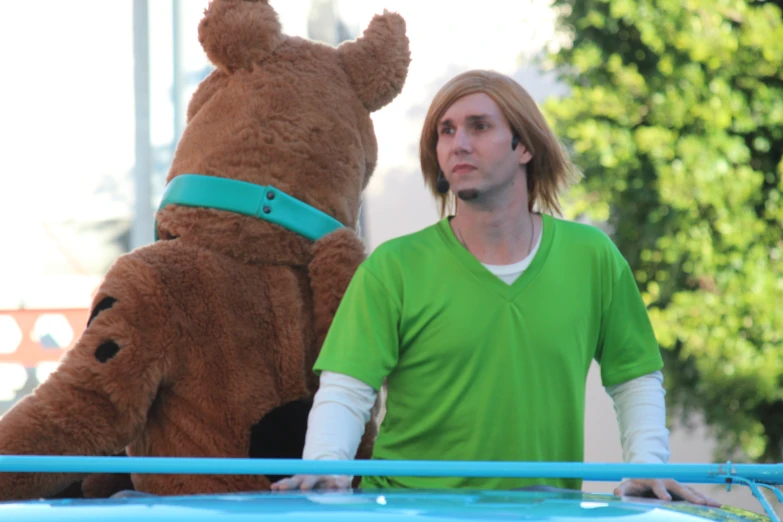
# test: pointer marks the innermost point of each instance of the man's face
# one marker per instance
(474, 147)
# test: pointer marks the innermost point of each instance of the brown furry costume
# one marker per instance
(202, 343)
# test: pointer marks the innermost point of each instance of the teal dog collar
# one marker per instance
(249, 199)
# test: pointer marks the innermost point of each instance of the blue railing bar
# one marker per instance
(754, 488)
(775, 490)
(694, 473)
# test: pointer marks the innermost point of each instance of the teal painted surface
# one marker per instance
(368, 506)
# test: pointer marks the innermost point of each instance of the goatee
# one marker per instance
(468, 194)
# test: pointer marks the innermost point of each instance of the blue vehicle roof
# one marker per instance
(386, 506)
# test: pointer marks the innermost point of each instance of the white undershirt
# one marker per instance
(342, 406)
(510, 273)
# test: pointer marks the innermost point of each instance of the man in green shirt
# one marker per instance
(484, 325)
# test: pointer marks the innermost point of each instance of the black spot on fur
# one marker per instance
(281, 433)
(105, 304)
(106, 351)
(74, 490)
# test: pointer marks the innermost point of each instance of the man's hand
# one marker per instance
(309, 482)
(664, 489)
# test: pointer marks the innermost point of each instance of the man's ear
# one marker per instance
(377, 62)
(523, 154)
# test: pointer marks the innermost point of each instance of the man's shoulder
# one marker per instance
(587, 242)
(583, 230)
(407, 247)
(583, 234)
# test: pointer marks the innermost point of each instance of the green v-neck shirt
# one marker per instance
(481, 370)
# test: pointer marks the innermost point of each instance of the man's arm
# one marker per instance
(641, 415)
(341, 409)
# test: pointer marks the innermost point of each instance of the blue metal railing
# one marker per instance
(695, 473)
(753, 476)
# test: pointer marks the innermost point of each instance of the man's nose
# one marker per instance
(461, 141)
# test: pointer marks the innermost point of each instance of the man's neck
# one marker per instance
(499, 236)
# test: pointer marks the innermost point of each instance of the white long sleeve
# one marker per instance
(641, 415)
(341, 408)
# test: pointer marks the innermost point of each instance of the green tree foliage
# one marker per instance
(675, 116)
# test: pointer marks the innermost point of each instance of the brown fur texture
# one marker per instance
(202, 344)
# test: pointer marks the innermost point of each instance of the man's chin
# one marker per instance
(467, 194)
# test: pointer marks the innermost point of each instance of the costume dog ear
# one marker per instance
(236, 34)
(377, 62)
